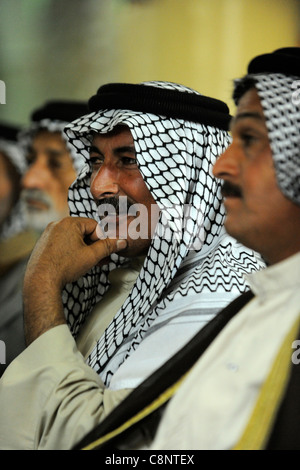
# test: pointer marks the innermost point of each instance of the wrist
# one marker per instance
(43, 307)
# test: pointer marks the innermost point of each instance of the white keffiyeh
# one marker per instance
(51, 125)
(276, 77)
(282, 113)
(175, 157)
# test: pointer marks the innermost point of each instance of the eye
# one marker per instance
(128, 161)
(96, 161)
(248, 139)
(30, 159)
(55, 163)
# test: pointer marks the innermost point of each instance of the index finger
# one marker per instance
(102, 249)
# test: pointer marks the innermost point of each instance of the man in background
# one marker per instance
(38, 168)
(16, 243)
(53, 164)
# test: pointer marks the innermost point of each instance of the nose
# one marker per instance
(105, 183)
(226, 164)
(37, 176)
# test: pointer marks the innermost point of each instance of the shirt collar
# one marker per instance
(276, 278)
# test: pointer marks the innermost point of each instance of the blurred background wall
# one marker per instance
(53, 49)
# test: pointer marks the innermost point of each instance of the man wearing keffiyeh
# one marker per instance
(52, 163)
(16, 243)
(243, 391)
(130, 306)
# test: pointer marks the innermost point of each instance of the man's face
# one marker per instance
(116, 179)
(6, 190)
(46, 182)
(258, 214)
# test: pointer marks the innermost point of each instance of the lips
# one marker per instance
(36, 199)
(115, 226)
(34, 204)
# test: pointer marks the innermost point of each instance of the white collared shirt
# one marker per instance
(213, 405)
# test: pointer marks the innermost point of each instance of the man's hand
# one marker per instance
(65, 251)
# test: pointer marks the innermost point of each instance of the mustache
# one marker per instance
(113, 205)
(36, 195)
(230, 190)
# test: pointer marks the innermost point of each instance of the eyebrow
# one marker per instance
(116, 151)
(55, 152)
(252, 115)
(49, 150)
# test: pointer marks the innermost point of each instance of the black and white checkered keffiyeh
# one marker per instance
(281, 106)
(277, 80)
(175, 157)
(53, 116)
(26, 136)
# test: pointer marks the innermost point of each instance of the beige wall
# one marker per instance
(202, 43)
(67, 49)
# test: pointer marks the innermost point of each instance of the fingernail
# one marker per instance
(121, 244)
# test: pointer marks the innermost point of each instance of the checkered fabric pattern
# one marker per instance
(175, 158)
(281, 105)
